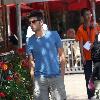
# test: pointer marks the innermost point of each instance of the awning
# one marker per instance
(23, 1)
(68, 4)
(59, 5)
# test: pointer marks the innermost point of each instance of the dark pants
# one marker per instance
(88, 72)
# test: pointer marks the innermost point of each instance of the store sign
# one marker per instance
(23, 1)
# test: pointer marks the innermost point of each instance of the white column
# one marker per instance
(18, 20)
(8, 21)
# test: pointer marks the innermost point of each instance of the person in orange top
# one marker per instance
(86, 36)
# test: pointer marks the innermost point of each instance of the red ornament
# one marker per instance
(21, 50)
(2, 94)
(8, 78)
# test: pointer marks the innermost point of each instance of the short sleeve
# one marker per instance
(29, 46)
(58, 40)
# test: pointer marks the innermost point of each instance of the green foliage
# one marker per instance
(15, 81)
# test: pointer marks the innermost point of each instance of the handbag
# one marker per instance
(91, 85)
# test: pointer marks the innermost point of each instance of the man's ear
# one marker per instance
(41, 22)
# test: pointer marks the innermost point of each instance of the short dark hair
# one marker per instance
(84, 10)
(36, 13)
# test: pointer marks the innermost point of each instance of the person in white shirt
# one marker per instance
(30, 32)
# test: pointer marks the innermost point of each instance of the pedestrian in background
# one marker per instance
(95, 53)
(86, 36)
(43, 49)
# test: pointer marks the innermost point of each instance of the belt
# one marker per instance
(49, 76)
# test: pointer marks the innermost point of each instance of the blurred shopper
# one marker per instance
(96, 61)
(43, 49)
(13, 42)
(59, 30)
(74, 47)
(96, 79)
(86, 36)
(71, 33)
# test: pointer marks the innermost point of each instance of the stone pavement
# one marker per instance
(75, 87)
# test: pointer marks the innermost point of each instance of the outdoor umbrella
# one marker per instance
(70, 5)
(18, 14)
(60, 5)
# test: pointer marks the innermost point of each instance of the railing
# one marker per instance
(73, 56)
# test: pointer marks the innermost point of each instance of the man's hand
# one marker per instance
(31, 65)
(32, 73)
(83, 60)
(62, 61)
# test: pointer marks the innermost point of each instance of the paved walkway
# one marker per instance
(75, 87)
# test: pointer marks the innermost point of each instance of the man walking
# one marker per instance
(43, 48)
(86, 36)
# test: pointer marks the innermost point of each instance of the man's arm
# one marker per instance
(62, 60)
(31, 66)
(81, 50)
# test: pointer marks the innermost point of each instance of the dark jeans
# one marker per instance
(88, 72)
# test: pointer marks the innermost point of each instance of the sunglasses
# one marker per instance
(33, 22)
